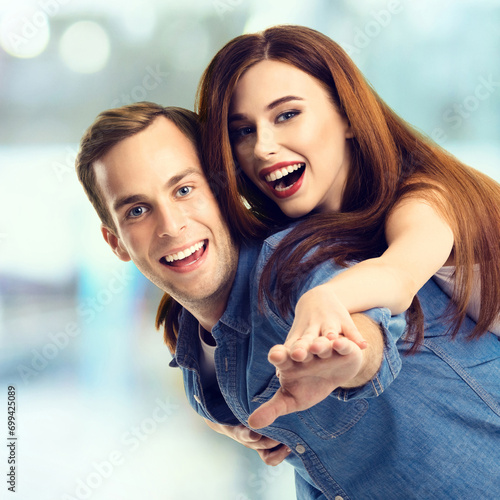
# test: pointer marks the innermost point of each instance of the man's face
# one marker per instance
(168, 222)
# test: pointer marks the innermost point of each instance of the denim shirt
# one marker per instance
(427, 426)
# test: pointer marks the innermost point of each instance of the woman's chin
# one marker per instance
(294, 211)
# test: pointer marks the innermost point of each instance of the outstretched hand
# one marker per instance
(319, 313)
(305, 383)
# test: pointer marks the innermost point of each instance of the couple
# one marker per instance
(353, 416)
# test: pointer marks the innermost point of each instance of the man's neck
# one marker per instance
(207, 313)
(208, 319)
(209, 310)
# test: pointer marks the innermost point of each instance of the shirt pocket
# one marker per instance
(268, 392)
(475, 363)
(331, 418)
(328, 419)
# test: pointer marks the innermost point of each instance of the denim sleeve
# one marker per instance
(393, 327)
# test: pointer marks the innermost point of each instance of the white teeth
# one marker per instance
(278, 174)
(281, 187)
(184, 253)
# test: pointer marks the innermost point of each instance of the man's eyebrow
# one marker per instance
(135, 198)
(269, 107)
(126, 200)
(178, 178)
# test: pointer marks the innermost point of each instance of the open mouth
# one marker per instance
(285, 178)
(186, 257)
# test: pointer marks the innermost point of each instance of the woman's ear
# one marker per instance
(349, 134)
(115, 243)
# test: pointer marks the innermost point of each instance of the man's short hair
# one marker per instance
(115, 125)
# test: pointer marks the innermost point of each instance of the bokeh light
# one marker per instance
(85, 47)
(24, 32)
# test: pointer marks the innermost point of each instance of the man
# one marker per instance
(420, 438)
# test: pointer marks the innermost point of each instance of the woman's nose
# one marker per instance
(265, 143)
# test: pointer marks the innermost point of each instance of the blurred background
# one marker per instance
(100, 414)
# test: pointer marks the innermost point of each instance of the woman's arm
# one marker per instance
(419, 241)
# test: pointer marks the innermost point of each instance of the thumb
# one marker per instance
(267, 413)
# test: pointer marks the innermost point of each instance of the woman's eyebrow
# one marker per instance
(240, 116)
(283, 100)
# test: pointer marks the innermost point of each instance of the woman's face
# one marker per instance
(289, 138)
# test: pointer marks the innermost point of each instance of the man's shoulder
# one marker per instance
(322, 271)
(271, 242)
(318, 275)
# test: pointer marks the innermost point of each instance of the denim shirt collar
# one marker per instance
(237, 313)
(236, 316)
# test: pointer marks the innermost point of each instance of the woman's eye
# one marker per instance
(240, 133)
(137, 212)
(184, 190)
(286, 116)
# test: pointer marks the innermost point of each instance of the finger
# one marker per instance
(267, 413)
(299, 350)
(280, 357)
(332, 336)
(274, 456)
(295, 333)
(263, 444)
(322, 347)
(301, 353)
(278, 354)
(350, 331)
(256, 440)
(247, 435)
(344, 346)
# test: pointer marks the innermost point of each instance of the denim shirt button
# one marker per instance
(338, 497)
(197, 399)
(300, 449)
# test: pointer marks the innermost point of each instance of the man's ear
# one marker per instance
(115, 243)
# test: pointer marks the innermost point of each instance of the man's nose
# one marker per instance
(172, 221)
(265, 143)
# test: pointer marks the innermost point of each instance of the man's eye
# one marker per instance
(286, 116)
(137, 212)
(184, 190)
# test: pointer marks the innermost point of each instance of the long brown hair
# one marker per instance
(389, 160)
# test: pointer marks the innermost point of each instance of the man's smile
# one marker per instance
(187, 256)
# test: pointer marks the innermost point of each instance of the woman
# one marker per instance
(308, 135)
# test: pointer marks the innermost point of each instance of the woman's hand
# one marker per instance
(319, 313)
(336, 363)
(306, 383)
(270, 451)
